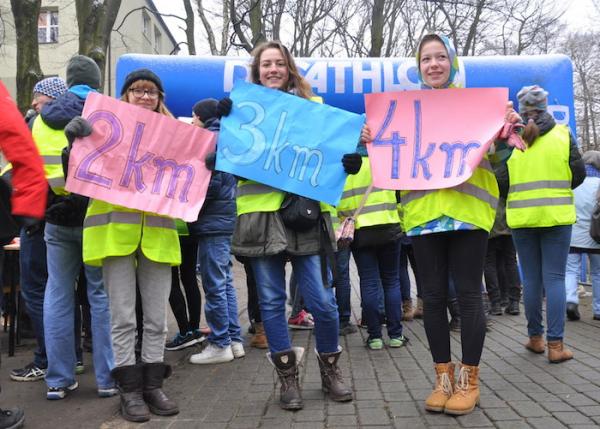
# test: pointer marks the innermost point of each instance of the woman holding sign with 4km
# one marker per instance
(267, 243)
(130, 244)
(449, 231)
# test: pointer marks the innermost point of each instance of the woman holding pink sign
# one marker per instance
(449, 231)
(134, 245)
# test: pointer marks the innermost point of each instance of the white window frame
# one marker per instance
(48, 26)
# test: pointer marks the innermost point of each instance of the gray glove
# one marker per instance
(77, 127)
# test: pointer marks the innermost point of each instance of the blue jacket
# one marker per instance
(218, 213)
(585, 200)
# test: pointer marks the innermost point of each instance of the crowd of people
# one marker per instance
(130, 263)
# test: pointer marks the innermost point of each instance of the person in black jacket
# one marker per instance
(214, 229)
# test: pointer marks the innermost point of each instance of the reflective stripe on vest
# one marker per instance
(254, 197)
(540, 192)
(473, 201)
(50, 144)
(380, 207)
(110, 230)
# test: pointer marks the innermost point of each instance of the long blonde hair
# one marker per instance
(160, 108)
(295, 82)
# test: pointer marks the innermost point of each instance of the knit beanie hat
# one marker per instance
(51, 87)
(82, 70)
(141, 74)
(205, 109)
(532, 97)
(592, 157)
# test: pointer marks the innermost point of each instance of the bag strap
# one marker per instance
(363, 201)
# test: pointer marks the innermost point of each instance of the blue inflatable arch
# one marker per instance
(342, 82)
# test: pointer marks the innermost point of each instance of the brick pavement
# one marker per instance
(519, 389)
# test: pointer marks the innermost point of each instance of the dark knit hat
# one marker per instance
(532, 97)
(82, 70)
(205, 109)
(141, 74)
(51, 87)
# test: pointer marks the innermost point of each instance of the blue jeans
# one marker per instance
(64, 265)
(543, 255)
(572, 277)
(378, 268)
(269, 272)
(341, 283)
(220, 307)
(34, 275)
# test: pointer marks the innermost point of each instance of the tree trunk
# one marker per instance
(29, 72)
(377, 22)
(189, 27)
(95, 21)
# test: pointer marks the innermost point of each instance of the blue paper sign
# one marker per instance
(287, 142)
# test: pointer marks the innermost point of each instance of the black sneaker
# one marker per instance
(30, 372)
(12, 418)
(56, 393)
(182, 341)
(513, 308)
(573, 311)
(496, 309)
(347, 328)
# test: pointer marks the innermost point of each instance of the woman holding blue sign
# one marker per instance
(449, 231)
(262, 238)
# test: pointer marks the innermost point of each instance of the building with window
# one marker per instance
(137, 30)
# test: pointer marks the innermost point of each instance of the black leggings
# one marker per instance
(460, 254)
(187, 272)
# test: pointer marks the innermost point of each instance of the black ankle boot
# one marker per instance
(130, 381)
(455, 314)
(286, 365)
(331, 377)
(155, 397)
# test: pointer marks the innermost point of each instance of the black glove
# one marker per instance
(352, 162)
(30, 224)
(224, 107)
(77, 127)
(210, 160)
(64, 156)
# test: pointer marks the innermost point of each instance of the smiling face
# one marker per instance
(434, 64)
(273, 69)
(144, 93)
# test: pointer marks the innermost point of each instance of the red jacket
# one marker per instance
(28, 179)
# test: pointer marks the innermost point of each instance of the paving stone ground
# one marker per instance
(518, 389)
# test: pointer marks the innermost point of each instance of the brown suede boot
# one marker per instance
(259, 339)
(286, 364)
(418, 312)
(466, 391)
(444, 387)
(331, 377)
(407, 310)
(536, 344)
(557, 352)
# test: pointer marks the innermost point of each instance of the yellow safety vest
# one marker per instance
(540, 192)
(473, 201)
(111, 230)
(50, 144)
(380, 207)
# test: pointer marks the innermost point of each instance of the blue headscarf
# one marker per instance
(453, 81)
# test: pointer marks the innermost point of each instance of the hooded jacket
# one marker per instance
(68, 210)
(217, 216)
(585, 201)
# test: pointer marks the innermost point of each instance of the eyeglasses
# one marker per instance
(139, 93)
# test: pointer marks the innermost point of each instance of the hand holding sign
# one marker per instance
(431, 139)
(132, 152)
(287, 142)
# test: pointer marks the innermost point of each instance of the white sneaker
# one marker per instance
(238, 349)
(212, 354)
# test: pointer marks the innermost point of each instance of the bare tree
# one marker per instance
(208, 19)
(25, 14)
(189, 26)
(95, 21)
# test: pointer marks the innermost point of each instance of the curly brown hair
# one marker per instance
(295, 82)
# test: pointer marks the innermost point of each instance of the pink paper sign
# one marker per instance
(141, 160)
(431, 139)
